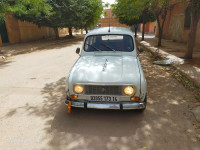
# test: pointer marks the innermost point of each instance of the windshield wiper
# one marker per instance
(93, 47)
(108, 47)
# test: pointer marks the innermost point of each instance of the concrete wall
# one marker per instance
(19, 31)
(174, 25)
(13, 30)
(30, 32)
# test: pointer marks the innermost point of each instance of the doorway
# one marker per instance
(3, 32)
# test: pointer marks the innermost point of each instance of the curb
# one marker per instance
(178, 63)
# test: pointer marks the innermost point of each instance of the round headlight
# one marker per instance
(129, 90)
(78, 89)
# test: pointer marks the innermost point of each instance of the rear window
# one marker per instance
(109, 43)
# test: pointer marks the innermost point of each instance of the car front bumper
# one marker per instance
(122, 105)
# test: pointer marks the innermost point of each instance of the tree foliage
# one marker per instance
(65, 13)
(92, 13)
(160, 9)
(24, 7)
(2, 7)
(133, 12)
(55, 13)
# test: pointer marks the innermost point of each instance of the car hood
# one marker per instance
(106, 69)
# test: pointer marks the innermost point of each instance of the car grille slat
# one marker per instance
(103, 90)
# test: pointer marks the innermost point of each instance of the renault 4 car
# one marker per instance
(108, 73)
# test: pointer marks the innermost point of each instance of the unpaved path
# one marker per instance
(33, 114)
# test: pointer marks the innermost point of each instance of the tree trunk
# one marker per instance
(159, 37)
(86, 30)
(56, 32)
(192, 35)
(161, 17)
(143, 30)
(135, 28)
(160, 27)
(70, 31)
(159, 32)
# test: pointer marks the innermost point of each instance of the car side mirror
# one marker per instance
(140, 49)
(78, 50)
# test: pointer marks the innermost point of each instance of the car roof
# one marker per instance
(113, 30)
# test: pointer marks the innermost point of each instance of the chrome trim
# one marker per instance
(140, 105)
(125, 106)
(103, 106)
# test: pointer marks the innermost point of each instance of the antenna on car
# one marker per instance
(109, 16)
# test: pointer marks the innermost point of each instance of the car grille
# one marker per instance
(103, 90)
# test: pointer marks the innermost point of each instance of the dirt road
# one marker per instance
(33, 114)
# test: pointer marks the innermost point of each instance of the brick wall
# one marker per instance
(105, 22)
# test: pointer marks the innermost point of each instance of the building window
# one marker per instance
(187, 17)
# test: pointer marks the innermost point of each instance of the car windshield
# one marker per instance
(109, 43)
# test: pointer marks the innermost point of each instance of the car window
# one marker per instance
(109, 43)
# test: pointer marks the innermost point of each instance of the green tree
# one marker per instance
(91, 14)
(122, 11)
(3, 5)
(24, 7)
(195, 17)
(146, 16)
(30, 8)
(159, 8)
(133, 12)
(67, 13)
(122, 17)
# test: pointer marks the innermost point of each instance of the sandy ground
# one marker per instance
(33, 114)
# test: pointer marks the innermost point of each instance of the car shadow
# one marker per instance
(97, 122)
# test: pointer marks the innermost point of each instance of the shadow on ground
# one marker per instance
(39, 46)
(85, 121)
(4, 64)
(163, 125)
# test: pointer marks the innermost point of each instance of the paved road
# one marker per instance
(33, 114)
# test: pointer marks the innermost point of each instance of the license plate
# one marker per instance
(104, 98)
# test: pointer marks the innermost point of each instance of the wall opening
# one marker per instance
(3, 32)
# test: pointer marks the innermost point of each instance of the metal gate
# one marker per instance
(3, 32)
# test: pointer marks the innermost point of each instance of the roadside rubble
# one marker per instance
(2, 57)
(164, 62)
